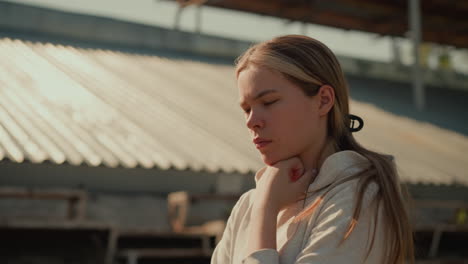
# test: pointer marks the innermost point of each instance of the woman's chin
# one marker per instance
(269, 160)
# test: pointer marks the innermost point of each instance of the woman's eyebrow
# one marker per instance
(260, 94)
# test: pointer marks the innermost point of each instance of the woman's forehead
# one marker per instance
(255, 84)
(255, 78)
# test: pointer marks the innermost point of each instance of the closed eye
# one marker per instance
(247, 110)
(270, 102)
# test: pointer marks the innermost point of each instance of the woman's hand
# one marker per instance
(281, 184)
(278, 185)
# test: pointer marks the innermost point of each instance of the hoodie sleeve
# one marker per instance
(223, 250)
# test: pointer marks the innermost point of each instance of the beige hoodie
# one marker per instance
(315, 239)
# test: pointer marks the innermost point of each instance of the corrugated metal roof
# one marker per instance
(66, 104)
(102, 107)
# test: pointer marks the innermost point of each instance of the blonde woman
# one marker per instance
(321, 197)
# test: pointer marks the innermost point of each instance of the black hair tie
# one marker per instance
(353, 119)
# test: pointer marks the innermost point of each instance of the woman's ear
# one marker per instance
(326, 97)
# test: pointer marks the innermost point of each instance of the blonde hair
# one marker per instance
(310, 64)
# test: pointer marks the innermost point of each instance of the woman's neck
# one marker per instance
(315, 159)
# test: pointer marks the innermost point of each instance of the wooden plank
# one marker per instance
(164, 253)
(179, 204)
(53, 194)
(144, 232)
(111, 248)
(442, 261)
(452, 204)
(77, 207)
(434, 249)
(77, 199)
(443, 227)
(214, 197)
(51, 224)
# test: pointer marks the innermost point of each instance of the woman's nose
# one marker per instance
(255, 121)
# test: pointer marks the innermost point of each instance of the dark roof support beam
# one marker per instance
(414, 9)
(177, 17)
(198, 19)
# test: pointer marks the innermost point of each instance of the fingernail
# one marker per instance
(295, 175)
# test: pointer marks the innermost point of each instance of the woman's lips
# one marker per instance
(260, 143)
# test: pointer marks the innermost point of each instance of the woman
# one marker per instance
(322, 197)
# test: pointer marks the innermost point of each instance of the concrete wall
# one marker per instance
(123, 211)
(126, 198)
(136, 180)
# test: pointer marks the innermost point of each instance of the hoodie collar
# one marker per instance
(338, 166)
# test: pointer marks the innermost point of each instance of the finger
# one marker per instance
(296, 169)
(306, 177)
(297, 174)
(297, 163)
(259, 173)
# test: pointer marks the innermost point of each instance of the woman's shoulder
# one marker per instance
(246, 198)
(244, 202)
(349, 191)
(341, 173)
(341, 194)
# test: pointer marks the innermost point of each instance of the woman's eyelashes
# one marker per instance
(266, 104)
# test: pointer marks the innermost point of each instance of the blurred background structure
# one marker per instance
(121, 140)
